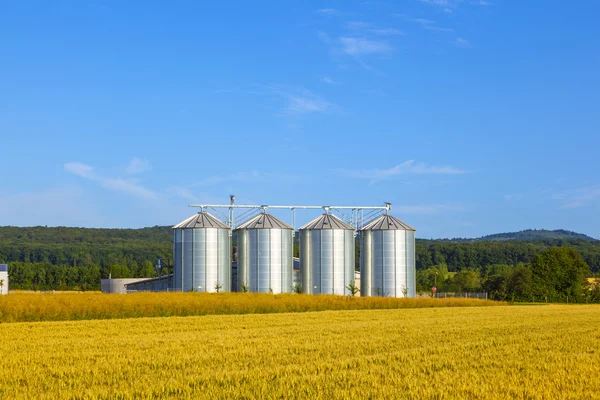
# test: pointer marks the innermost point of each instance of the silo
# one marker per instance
(202, 255)
(387, 258)
(265, 250)
(327, 256)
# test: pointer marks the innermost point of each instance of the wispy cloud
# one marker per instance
(579, 197)
(462, 42)
(360, 46)
(441, 3)
(329, 11)
(197, 191)
(513, 196)
(357, 25)
(328, 80)
(427, 24)
(79, 169)
(362, 40)
(137, 166)
(304, 105)
(406, 168)
(447, 4)
(299, 100)
(126, 186)
(386, 32)
(421, 21)
(438, 28)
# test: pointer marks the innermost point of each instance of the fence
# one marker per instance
(464, 295)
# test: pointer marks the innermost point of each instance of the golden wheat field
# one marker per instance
(25, 307)
(528, 352)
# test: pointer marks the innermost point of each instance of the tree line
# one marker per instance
(558, 274)
(42, 258)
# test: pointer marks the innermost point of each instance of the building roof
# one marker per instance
(327, 221)
(201, 220)
(387, 222)
(264, 221)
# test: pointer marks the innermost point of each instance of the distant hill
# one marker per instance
(530, 234)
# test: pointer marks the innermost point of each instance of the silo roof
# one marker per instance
(387, 222)
(327, 221)
(264, 221)
(201, 220)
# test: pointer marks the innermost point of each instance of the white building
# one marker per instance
(3, 279)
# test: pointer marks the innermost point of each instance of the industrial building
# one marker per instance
(3, 279)
(204, 258)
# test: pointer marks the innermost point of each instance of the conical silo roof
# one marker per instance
(201, 220)
(264, 221)
(327, 221)
(387, 222)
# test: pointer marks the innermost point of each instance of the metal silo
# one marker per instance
(327, 256)
(387, 258)
(265, 250)
(202, 254)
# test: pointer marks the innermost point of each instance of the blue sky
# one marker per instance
(471, 117)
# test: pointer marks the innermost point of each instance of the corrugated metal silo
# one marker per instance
(202, 254)
(327, 256)
(387, 258)
(265, 250)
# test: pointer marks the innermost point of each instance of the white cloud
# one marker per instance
(357, 25)
(386, 32)
(462, 42)
(365, 27)
(303, 105)
(577, 198)
(406, 168)
(438, 28)
(329, 11)
(427, 23)
(300, 101)
(117, 184)
(360, 46)
(513, 196)
(184, 193)
(422, 21)
(79, 169)
(442, 3)
(137, 166)
(328, 80)
(128, 187)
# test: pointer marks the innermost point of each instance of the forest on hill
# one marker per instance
(62, 258)
(530, 234)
